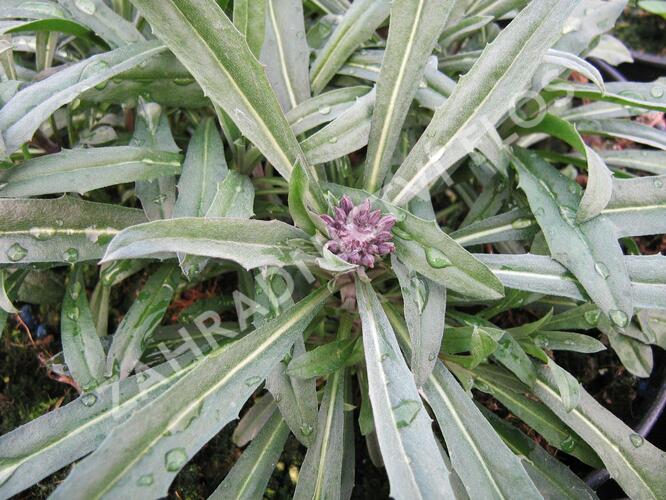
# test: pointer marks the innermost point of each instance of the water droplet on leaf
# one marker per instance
(619, 318)
(88, 399)
(436, 258)
(16, 253)
(636, 439)
(568, 443)
(86, 6)
(252, 381)
(175, 459)
(70, 255)
(602, 270)
(406, 412)
(306, 429)
(145, 480)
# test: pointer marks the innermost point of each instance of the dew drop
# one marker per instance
(59, 222)
(16, 252)
(406, 412)
(333, 140)
(73, 313)
(70, 255)
(175, 459)
(160, 198)
(601, 269)
(324, 110)
(145, 480)
(432, 356)
(306, 429)
(183, 81)
(568, 443)
(619, 318)
(436, 258)
(522, 223)
(93, 69)
(636, 439)
(539, 211)
(76, 290)
(423, 85)
(86, 6)
(658, 183)
(88, 399)
(592, 317)
(657, 91)
(252, 381)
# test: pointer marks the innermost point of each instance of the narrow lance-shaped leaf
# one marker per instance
(286, 53)
(82, 170)
(141, 320)
(251, 243)
(344, 135)
(249, 19)
(81, 345)
(321, 473)
(413, 31)
(296, 398)
(152, 129)
(590, 250)
(63, 229)
(486, 466)
(600, 179)
(551, 477)
(99, 17)
(250, 474)
(142, 456)
(482, 96)
(25, 112)
(412, 458)
(634, 463)
(624, 129)
(227, 71)
(298, 189)
(425, 307)
(638, 206)
(204, 167)
(357, 25)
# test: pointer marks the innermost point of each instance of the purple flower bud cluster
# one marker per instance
(359, 235)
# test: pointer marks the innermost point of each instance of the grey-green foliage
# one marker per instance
(229, 129)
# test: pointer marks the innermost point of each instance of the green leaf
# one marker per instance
(25, 112)
(640, 159)
(320, 475)
(431, 252)
(540, 274)
(638, 206)
(624, 129)
(6, 305)
(485, 465)
(650, 95)
(632, 461)
(323, 108)
(41, 447)
(413, 462)
(251, 243)
(654, 6)
(357, 25)
(250, 474)
(159, 438)
(204, 167)
(568, 341)
(82, 170)
(101, 19)
(487, 92)
(141, 320)
(63, 229)
(228, 72)
(250, 18)
(286, 53)
(517, 224)
(413, 31)
(81, 345)
(600, 179)
(506, 389)
(634, 355)
(298, 191)
(590, 250)
(424, 309)
(578, 64)
(323, 360)
(551, 477)
(344, 135)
